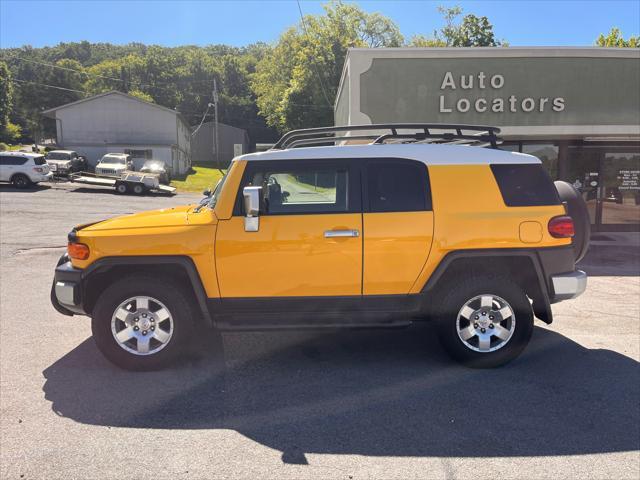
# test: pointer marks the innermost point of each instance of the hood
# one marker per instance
(58, 162)
(167, 217)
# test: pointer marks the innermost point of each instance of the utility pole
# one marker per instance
(215, 122)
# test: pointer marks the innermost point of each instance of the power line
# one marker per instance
(201, 121)
(119, 80)
(315, 67)
(49, 86)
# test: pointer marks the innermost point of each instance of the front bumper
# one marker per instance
(66, 291)
(569, 285)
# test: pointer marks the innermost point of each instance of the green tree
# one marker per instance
(614, 39)
(9, 132)
(472, 31)
(296, 81)
(6, 94)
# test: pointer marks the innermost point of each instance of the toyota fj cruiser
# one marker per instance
(416, 225)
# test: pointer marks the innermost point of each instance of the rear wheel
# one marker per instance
(138, 189)
(485, 321)
(142, 323)
(20, 180)
(121, 188)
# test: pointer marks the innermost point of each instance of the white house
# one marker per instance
(117, 122)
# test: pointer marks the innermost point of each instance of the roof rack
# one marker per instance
(423, 133)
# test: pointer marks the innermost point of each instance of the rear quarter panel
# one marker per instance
(470, 213)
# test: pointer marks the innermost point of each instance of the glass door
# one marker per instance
(609, 180)
(620, 191)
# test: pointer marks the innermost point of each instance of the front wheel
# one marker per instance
(142, 323)
(485, 321)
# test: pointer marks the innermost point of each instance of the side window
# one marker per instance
(397, 186)
(302, 187)
(11, 160)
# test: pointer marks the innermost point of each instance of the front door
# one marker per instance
(309, 240)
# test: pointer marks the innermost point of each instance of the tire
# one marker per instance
(577, 210)
(167, 303)
(121, 188)
(452, 311)
(138, 189)
(21, 181)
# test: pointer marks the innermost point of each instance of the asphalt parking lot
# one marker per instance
(346, 405)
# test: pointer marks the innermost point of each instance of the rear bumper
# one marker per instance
(66, 291)
(568, 285)
(37, 178)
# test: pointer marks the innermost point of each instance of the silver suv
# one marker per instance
(23, 169)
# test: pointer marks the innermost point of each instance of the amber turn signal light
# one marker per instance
(79, 251)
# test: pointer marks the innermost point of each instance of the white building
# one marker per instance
(117, 122)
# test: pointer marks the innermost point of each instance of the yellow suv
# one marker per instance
(419, 224)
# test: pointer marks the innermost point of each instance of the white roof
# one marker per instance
(22, 154)
(62, 151)
(430, 154)
(116, 154)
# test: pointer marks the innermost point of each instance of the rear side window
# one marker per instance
(39, 160)
(525, 185)
(397, 185)
(11, 160)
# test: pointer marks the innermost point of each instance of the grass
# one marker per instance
(201, 179)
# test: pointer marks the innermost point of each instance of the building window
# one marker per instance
(547, 153)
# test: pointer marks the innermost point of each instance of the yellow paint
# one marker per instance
(469, 213)
(396, 246)
(289, 256)
(530, 232)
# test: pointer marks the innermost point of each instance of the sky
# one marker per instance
(241, 22)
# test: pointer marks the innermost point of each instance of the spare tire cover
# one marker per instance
(577, 210)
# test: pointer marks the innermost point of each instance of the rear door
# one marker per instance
(4, 168)
(309, 241)
(397, 224)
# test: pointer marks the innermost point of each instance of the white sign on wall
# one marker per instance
(507, 103)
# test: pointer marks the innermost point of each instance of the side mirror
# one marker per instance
(251, 208)
(206, 192)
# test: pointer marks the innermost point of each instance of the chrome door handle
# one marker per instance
(341, 233)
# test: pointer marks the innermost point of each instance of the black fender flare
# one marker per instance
(180, 261)
(541, 305)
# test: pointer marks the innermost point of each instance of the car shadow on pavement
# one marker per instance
(36, 187)
(370, 393)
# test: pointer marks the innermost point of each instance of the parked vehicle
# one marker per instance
(137, 183)
(114, 164)
(64, 162)
(158, 167)
(23, 169)
(380, 235)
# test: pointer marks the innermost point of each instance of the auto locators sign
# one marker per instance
(493, 84)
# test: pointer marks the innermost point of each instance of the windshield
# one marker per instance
(116, 160)
(216, 191)
(57, 156)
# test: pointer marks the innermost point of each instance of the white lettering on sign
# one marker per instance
(514, 104)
